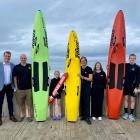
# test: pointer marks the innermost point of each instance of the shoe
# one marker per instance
(21, 119)
(54, 118)
(100, 118)
(0, 121)
(125, 116)
(59, 117)
(132, 118)
(82, 118)
(93, 118)
(88, 121)
(29, 119)
(13, 119)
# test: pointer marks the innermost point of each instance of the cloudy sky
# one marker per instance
(91, 19)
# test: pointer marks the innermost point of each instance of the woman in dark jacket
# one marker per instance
(97, 95)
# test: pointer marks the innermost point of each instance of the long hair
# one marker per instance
(94, 69)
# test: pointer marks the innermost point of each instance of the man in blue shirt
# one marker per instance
(6, 85)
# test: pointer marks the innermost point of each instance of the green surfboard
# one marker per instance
(40, 68)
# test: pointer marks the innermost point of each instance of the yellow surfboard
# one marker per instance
(73, 83)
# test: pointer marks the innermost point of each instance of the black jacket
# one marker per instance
(99, 80)
(132, 76)
(53, 84)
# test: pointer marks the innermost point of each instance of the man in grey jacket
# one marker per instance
(6, 85)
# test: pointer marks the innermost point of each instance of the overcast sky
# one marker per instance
(91, 19)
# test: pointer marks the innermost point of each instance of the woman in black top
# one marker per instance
(86, 78)
(97, 95)
(56, 107)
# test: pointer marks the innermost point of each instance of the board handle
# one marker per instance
(69, 63)
(37, 49)
(123, 81)
(77, 90)
(65, 90)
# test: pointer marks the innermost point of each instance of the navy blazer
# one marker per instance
(2, 75)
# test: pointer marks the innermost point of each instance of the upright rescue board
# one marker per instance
(73, 83)
(116, 67)
(40, 68)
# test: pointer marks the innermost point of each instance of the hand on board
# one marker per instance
(51, 99)
(79, 74)
(135, 91)
(56, 93)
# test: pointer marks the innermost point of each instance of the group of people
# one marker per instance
(93, 88)
(94, 84)
(17, 79)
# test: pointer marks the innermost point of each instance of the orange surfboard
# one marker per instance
(116, 67)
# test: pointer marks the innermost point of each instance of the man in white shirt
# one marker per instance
(6, 85)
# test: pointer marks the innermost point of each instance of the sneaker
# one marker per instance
(29, 119)
(132, 118)
(21, 119)
(13, 119)
(59, 117)
(82, 118)
(93, 118)
(125, 116)
(54, 118)
(0, 121)
(100, 118)
(88, 121)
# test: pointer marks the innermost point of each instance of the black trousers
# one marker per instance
(7, 89)
(97, 97)
(85, 101)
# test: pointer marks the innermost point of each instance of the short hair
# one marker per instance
(83, 57)
(132, 54)
(8, 52)
(56, 71)
(23, 55)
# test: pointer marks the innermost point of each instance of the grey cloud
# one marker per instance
(91, 19)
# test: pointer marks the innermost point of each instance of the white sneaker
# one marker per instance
(93, 118)
(132, 118)
(100, 118)
(125, 116)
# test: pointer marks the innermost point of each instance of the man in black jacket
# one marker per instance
(132, 80)
(22, 81)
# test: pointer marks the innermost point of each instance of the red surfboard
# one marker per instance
(116, 67)
(58, 86)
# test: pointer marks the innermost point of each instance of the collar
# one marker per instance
(23, 65)
(84, 68)
(132, 64)
(6, 64)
